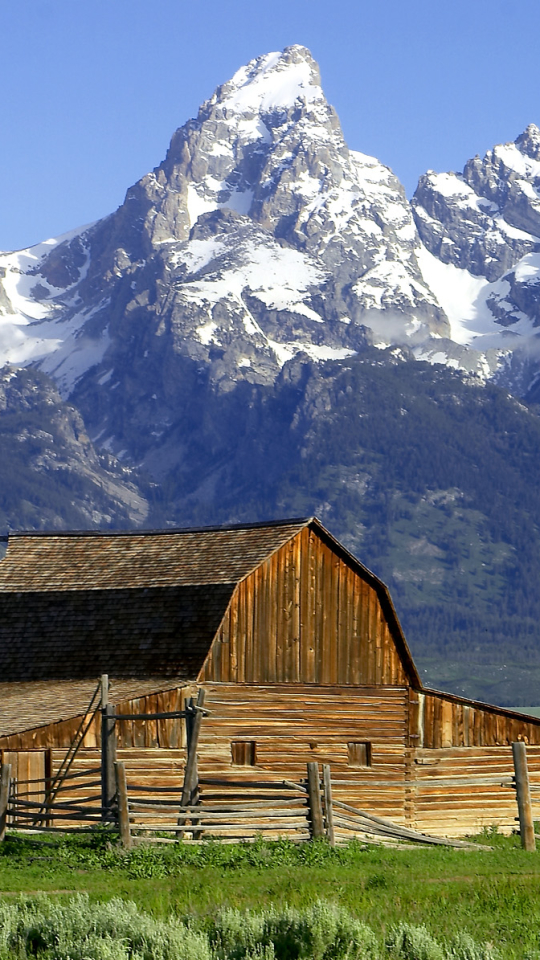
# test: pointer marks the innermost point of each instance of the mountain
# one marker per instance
(266, 326)
(481, 233)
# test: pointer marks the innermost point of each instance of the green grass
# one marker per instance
(491, 895)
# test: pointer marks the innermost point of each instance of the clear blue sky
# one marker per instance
(92, 90)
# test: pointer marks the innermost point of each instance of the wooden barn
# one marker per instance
(298, 649)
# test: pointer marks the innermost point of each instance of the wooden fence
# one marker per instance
(298, 811)
(224, 809)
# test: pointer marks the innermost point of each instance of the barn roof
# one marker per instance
(106, 561)
(136, 604)
(26, 706)
(127, 604)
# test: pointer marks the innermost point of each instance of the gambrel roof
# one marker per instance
(136, 604)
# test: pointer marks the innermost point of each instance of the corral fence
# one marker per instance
(299, 811)
(221, 809)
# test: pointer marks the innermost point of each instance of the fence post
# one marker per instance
(526, 825)
(191, 780)
(328, 808)
(190, 774)
(108, 752)
(48, 771)
(123, 807)
(5, 783)
(315, 805)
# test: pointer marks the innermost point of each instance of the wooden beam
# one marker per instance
(328, 807)
(190, 789)
(108, 758)
(170, 715)
(123, 807)
(526, 825)
(190, 775)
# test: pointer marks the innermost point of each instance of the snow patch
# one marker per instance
(528, 268)
(37, 331)
(206, 332)
(270, 84)
(465, 300)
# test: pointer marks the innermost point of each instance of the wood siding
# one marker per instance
(130, 733)
(291, 726)
(304, 615)
(450, 790)
(462, 790)
(439, 721)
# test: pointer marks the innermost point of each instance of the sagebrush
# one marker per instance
(116, 930)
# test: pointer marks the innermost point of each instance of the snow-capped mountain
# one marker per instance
(481, 233)
(242, 334)
(260, 236)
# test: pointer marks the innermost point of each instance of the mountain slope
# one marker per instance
(51, 477)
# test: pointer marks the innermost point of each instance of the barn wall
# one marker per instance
(439, 721)
(290, 727)
(459, 791)
(304, 615)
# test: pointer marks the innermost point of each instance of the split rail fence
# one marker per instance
(99, 796)
(299, 811)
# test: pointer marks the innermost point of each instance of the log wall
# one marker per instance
(291, 726)
(131, 733)
(304, 616)
(460, 791)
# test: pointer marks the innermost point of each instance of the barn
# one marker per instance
(298, 649)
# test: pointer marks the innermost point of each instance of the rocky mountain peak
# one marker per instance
(529, 142)
(259, 237)
(486, 218)
(271, 83)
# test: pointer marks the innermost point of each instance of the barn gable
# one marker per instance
(310, 613)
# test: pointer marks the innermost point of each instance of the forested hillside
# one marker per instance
(426, 476)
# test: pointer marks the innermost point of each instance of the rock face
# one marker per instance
(51, 477)
(260, 236)
(486, 219)
(482, 230)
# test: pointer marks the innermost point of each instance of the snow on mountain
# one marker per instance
(262, 237)
(43, 322)
(481, 231)
(259, 237)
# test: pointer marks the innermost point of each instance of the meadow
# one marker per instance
(266, 900)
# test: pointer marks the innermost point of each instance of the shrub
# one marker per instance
(80, 930)
(320, 932)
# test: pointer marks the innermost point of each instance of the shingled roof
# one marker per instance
(128, 604)
(25, 706)
(106, 561)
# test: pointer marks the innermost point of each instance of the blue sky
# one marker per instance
(92, 90)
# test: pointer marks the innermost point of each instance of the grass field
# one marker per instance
(494, 895)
